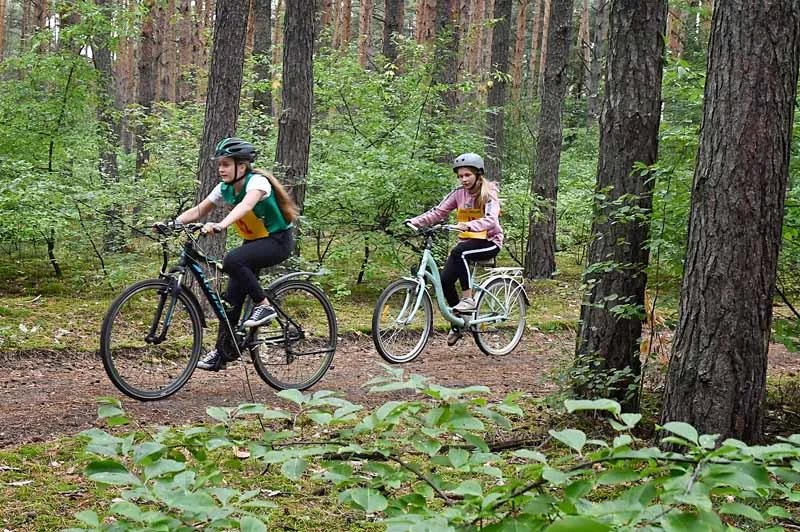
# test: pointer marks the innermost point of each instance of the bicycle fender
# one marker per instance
(292, 275)
(517, 283)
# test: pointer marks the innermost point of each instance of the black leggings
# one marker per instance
(457, 268)
(242, 265)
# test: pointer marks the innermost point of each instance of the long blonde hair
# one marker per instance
(285, 202)
(482, 197)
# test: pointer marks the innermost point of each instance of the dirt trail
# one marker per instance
(44, 395)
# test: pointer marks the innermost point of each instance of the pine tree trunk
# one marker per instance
(346, 17)
(222, 103)
(167, 46)
(533, 57)
(446, 57)
(474, 36)
(519, 52)
(2, 27)
(294, 123)
(485, 65)
(496, 98)
(612, 310)
(582, 48)
(717, 374)
(544, 42)
(596, 60)
(262, 54)
(364, 30)
(277, 53)
(540, 260)
(392, 25)
(146, 89)
(426, 20)
(183, 89)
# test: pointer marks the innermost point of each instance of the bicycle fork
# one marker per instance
(171, 293)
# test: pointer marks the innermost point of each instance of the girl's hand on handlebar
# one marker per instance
(211, 227)
(461, 226)
(410, 225)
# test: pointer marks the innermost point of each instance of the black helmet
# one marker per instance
(237, 149)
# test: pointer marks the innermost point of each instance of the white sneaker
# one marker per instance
(466, 304)
(454, 336)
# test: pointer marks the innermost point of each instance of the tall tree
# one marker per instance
(519, 51)
(425, 28)
(392, 25)
(533, 56)
(146, 88)
(610, 319)
(595, 61)
(446, 67)
(543, 47)
(183, 87)
(496, 98)
(364, 32)
(717, 374)
(540, 257)
(222, 102)
(294, 124)
(2, 27)
(262, 44)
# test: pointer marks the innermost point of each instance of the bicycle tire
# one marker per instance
(501, 338)
(142, 369)
(385, 337)
(290, 357)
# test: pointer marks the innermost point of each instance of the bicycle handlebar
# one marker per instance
(170, 228)
(430, 229)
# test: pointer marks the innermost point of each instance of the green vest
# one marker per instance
(265, 218)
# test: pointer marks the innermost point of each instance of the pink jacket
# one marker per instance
(461, 199)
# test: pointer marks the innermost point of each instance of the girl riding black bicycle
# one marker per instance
(263, 213)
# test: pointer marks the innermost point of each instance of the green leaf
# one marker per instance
(89, 517)
(573, 438)
(458, 457)
(295, 396)
(469, 487)
(111, 472)
(777, 511)
(219, 413)
(251, 524)
(684, 430)
(737, 508)
(573, 523)
(531, 455)
(608, 405)
(368, 499)
(630, 420)
(293, 469)
(320, 418)
(163, 467)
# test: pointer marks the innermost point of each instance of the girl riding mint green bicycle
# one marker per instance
(493, 310)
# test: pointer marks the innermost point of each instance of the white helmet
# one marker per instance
(469, 159)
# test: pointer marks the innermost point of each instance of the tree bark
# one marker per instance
(496, 98)
(364, 31)
(146, 88)
(616, 276)
(534, 50)
(540, 256)
(543, 49)
(519, 52)
(183, 88)
(717, 375)
(2, 27)
(425, 21)
(392, 25)
(294, 124)
(262, 54)
(596, 60)
(446, 57)
(277, 51)
(222, 103)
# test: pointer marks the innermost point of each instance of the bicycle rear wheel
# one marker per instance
(295, 349)
(151, 340)
(398, 336)
(501, 297)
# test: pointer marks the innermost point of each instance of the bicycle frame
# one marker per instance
(428, 270)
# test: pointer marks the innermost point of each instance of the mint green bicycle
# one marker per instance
(403, 318)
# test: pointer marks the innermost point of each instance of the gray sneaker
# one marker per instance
(466, 304)
(454, 336)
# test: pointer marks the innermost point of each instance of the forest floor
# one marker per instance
(47, 394)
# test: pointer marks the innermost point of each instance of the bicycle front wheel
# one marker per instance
(399, 335)
(295, 349)
(151, 340)
(503, 299)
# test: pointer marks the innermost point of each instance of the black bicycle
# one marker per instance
(152, 334)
